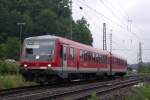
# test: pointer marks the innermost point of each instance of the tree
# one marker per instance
(63, 8)
(143, 68)
(2, 51)
(81, 33)
(11, 48)
(3, 37)
(46, 22)
(41, 17)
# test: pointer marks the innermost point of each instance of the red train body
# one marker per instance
(46, 58)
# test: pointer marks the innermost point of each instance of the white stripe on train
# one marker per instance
(77, 69)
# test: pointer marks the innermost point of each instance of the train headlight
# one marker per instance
(49, 65)
(25, 65)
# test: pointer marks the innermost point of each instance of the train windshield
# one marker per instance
(38, 50)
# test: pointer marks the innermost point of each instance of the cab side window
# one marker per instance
(61, 51)
(64, 52)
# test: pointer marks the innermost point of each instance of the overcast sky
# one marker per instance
(116, 14)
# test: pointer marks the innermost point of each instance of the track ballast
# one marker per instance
(70, 91)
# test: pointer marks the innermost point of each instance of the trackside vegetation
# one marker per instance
(139, 93)
(135, 93)
(143, 69)
(11, 81)
(9, 68)
(93, 96)
(10, 76)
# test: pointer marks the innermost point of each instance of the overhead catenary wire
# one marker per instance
(113, 13)
(87, 15)
(126, 15)
(101, 14)
(93, 21)
(101, 1)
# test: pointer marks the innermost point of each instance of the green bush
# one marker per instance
(11, 81)
(9, 68)
(93, 96)
(139, 93)
(143, 68)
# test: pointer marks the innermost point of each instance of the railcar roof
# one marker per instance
(118, 56)
(43, 37)
(69, 42)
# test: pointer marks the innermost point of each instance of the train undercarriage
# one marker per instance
(50, 77)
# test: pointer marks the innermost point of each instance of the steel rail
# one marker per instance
(51, 92)
(28, 91)
(82, 93)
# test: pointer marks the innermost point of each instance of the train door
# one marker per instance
(63, 56)
(72, 62)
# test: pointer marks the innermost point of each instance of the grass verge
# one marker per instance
(12, 81)
(9, 68)
(139, 93)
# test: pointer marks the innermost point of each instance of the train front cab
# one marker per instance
(38, 58)
(62, 62)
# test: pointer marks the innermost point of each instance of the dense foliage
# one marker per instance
(139, 93)
(9, 68)
(143, 68)
(40, 17)
(13, 81)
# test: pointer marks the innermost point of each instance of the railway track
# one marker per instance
(28, 90)
(78, 91)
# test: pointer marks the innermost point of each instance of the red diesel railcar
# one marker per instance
(48, 58)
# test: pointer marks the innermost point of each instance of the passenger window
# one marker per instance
(97, 57)
(71, 55)
(61, 51)
(100, 58)
(85, 55)
(81, 54)
(105, 59)
(93, 56)
(90, 56)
